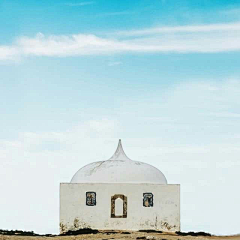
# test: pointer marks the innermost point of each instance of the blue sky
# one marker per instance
(162, 75)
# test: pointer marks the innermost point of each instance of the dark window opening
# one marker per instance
(148, 200)
(90, 198)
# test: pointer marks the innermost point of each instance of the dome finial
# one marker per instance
(119, 153)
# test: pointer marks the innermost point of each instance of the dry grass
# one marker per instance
(103, 235)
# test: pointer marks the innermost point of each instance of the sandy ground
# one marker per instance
(121, 235)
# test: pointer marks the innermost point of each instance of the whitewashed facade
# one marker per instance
(119, 194)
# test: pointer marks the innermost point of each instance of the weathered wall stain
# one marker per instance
(156, 222)
(76, 223)
(74, 226)
(63, 228)
(166, 225)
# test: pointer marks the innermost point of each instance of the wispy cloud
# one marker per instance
(184, 29)
(8, 53)
(79, 4)
(212, 38)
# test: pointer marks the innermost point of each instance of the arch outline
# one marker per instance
(113, 200)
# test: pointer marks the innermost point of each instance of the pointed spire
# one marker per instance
(119, 153)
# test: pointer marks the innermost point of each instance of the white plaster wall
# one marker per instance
(164, 215)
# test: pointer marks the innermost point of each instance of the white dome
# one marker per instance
(119, 169)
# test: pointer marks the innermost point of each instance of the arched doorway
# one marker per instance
(118, 211)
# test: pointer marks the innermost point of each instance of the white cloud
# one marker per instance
(181, 39)
(8, 53)
(184, 29)
(80, 44)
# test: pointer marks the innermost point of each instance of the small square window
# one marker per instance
(90, 198)
(148, 200)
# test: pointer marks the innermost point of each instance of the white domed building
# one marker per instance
(119, 194)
